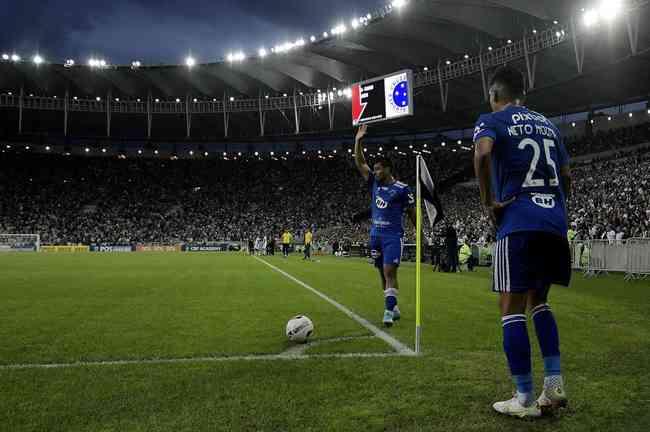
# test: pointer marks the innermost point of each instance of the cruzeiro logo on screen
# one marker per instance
(401, 94)
(397, 96)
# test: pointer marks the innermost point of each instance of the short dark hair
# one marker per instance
(385, 162)
(512, 81)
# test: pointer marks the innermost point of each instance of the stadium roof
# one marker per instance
(420, 35)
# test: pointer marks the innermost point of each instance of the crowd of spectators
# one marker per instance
(69, 199)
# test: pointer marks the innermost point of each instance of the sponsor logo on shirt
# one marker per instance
(544, 200)
(380, 203)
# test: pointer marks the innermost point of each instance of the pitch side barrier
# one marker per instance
(599, 257)
(160, 247)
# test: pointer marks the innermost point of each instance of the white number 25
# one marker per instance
(530, 181)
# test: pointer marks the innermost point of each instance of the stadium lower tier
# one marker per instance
(67, 199)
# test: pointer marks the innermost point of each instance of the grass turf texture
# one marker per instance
(101, 307)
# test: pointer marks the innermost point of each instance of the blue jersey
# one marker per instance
(527, 156)
(389, 202)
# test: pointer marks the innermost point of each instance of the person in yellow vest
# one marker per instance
(308, 240)
(286, 242)
(464, 255)
(571, 234)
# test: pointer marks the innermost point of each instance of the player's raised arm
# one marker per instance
(359, 158)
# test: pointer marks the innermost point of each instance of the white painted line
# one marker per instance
(264, 357)
(390, 340)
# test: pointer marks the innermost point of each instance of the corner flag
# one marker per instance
(429, 194)
(424, 189)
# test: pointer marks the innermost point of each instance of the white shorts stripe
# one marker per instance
(496, 266)
(507, 264)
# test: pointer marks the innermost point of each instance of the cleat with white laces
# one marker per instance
(396, 314)
(388, 318)
(514, 408)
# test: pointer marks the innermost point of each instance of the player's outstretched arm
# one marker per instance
(359, 158)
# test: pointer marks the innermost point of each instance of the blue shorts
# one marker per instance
(386, 250)
(530, 260)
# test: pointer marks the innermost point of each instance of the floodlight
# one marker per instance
(312, 38)
(190, 62)
(262, 52)
(15, 58)
(37, 59)
(590, 18)
(5, 56)
(610, 9)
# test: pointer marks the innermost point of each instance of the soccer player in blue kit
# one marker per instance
(390, 199)
(523, 172)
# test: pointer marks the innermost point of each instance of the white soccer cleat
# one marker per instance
(388, 318)
(552, 399)
(514, 408)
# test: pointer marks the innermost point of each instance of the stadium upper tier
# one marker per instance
(451, 46)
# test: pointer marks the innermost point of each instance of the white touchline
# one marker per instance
(259, 357)
(397, 345)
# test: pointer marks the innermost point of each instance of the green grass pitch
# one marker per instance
(67, 308)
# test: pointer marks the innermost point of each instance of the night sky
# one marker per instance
(164, 31)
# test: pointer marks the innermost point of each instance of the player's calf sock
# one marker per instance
(390, 295)
(549, 341)
(517, 348)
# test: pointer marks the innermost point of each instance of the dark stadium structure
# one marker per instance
(298, 96)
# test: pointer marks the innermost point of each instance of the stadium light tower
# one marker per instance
(5, 56)
(262, 52)
(610, 9)
(590, 17)
(190, 62)
(37, 59)
(15, 58)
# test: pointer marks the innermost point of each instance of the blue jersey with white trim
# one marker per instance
(527, 156)
(389, 202)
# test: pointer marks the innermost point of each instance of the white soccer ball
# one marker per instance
(299, 328)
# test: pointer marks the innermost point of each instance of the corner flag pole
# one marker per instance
(418, 256)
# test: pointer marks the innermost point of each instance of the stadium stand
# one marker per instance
(69, 199)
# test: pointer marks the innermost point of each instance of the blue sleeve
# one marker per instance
(409, 198)
(485, 127)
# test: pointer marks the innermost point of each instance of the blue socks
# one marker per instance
(390, 295)
(548, 337)
(517, 348)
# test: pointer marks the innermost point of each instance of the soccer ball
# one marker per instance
(299, 329)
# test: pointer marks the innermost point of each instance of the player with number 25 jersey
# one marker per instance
(524, 179)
